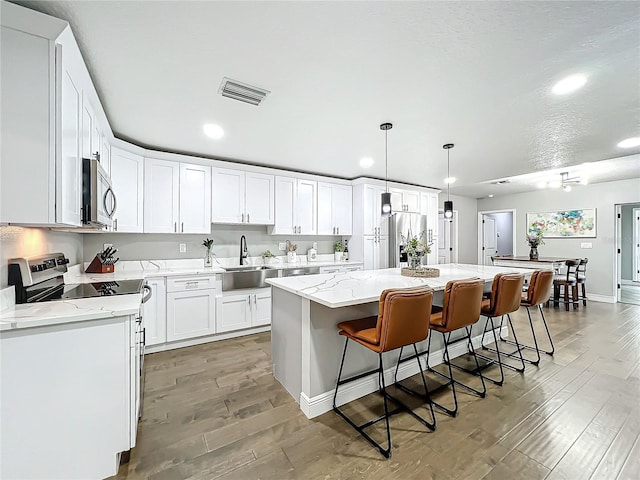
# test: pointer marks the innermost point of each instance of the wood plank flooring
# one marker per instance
(215, 411)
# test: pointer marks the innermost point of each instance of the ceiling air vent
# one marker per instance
(242, 91)
(501, 182)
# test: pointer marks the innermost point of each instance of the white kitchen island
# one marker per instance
(306, 348)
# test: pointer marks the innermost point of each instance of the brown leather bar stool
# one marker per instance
(565, 283)
(537, 294)
(460, 310)
(506, 293)
(581, 278)
(403, 320)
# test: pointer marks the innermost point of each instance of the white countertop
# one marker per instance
(353, 288)
(68, 311)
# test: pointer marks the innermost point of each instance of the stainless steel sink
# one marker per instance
(247, 276)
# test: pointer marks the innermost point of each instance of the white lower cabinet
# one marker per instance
(376, 252)
(154, 312)
(191, 310)
(244, 309)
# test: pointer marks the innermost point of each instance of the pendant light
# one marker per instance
(448, 205)
(386, 196)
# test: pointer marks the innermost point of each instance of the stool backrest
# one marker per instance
(582, 267)
(539, 287)
(572, 269)
(506, 293)
(462, 303)
(403, 317)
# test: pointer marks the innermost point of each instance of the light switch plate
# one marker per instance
(586, 245)
(183, 248)
(282, 246)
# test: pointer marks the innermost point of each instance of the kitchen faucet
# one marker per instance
(244, 253)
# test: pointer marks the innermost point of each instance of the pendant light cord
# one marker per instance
(386, 161)
(448, 174)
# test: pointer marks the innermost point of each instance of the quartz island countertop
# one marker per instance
(336, 290)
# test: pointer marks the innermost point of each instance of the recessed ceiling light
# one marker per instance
(630, 142)
(366, 162)
(214, 131)
(450, 180)
(569, 84)
(542, 185)
(490, 195)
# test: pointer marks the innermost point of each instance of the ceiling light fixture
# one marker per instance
(214, 131)
(448, 205)
(630, 142)
(490, 195)
(386, 196)
(566, 181)
(366, 162)
(569, 84)
(449, 180)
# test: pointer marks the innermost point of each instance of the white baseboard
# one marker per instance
(200, 340)
(322, 403)
(601, 298)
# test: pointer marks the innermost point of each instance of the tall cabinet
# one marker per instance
(127, 177)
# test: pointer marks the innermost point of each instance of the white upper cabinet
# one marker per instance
(177, 197)
(295, 206)
(105, 153)
(334, 209)
(127, 177)
(405, 200)
(242, 197)
(374, 222)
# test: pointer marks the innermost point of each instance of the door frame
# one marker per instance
(453, 258)
(617, 249)
(635, 242)
(480, 233)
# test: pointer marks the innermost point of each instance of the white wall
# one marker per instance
(158, 246)
(626, 241)
(28, 242)
(602, 196)
(467, 209)
(504, 228)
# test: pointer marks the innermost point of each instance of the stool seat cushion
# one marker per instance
(564, 281)
(361, 329)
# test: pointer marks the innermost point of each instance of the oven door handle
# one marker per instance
(147, 288)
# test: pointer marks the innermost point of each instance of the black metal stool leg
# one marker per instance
(513, 355)
(546, 327)
(491, 361)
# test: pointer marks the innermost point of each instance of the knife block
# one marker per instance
(96, 266)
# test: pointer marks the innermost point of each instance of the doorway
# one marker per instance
(448, 238)
(628, 253)
(496, 234)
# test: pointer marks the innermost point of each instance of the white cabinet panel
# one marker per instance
(295, 207)
(412, 201)
(429, 207)
(405, 200)
(105, 154)
(259, 198)
(195, 198)
(334, 209)
(154, 313)
(69, 162)
(161, 196)
(261, 313)
(227, 195)
(127, 177)
(376, 252)
(325, 218)
(87, 125)
(235, 313)
(374, 222)
(190, 314)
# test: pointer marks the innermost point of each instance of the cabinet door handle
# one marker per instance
(182, 227)
(115, 225)
(338, 230)
(243, 218)
(255, 300)
(248, 220)
(175, 226)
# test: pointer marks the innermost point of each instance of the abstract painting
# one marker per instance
(563, 223)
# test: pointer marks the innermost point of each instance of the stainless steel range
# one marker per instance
(40, 279)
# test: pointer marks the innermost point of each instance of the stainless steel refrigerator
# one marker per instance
(404, 225)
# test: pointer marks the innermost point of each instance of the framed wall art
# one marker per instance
(563, 223)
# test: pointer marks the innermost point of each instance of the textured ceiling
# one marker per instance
(477, 74)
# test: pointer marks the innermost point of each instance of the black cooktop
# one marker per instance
(97, 289)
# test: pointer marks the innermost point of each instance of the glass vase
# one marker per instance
(415, 261)
(533, 253)
(208, 261)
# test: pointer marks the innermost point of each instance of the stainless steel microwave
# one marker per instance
(98, 198)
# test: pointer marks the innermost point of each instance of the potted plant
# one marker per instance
(267, 257)
(534, 238)
(338, 251)
(291, 253)
(416, 248)
(208, 243)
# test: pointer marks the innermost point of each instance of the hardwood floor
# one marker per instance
(215, 411)
(630, 294)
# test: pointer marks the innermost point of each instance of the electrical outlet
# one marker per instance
(586, 245)
(183, 248)
(282, 246)
(106, 245)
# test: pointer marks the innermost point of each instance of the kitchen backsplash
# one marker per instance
(226, 238)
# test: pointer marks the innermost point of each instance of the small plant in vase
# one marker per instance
(291, 254)
(338, 251)
(208, 243)
(534, 238)
(267, 257)
(416, 248)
